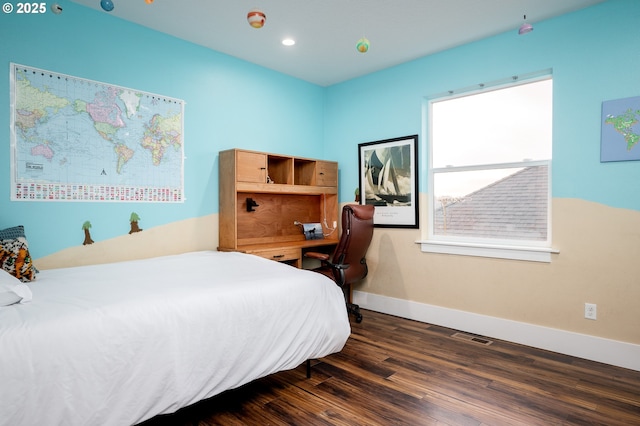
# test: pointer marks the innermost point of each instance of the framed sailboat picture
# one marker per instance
(389, 180)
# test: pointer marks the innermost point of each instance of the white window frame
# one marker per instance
(538, 251)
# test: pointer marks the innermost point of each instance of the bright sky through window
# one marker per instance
(506, 125)
(490, 154)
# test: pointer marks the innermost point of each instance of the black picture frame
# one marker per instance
(388, 175)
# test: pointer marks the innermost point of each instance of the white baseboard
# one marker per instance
(612, 352)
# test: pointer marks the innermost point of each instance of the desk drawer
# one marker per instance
(280, 255)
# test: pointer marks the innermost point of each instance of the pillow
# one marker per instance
(14, 254)
(12, 290)
(12, 233)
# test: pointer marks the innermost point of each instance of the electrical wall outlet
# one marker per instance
(590, 311)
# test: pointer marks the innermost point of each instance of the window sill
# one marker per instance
(532, 254)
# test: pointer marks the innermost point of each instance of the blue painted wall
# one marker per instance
(229, 103)
(594, 57)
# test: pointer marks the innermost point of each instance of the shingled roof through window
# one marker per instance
(514, 207)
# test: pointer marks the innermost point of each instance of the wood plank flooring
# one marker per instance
(394, 371)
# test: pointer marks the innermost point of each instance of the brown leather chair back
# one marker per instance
(357, 231)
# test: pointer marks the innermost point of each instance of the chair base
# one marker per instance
(354, 309)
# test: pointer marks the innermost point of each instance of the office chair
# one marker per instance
(347, 264)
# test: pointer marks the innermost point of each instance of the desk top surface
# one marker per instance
(286, 244)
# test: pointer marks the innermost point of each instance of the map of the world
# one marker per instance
(75, 139)
(620, 130)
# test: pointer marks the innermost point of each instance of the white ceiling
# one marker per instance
(326, 31)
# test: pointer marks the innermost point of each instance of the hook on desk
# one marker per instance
(251, 204)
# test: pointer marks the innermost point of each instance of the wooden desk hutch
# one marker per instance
(262, 195)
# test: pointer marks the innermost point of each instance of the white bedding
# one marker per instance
(116, 344)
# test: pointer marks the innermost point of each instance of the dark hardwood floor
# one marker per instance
(394, 371)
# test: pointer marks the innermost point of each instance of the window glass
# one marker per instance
(498, 126)
(490, 163)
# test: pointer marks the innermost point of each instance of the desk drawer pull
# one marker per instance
(278, 256)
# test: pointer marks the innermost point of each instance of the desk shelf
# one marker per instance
(285, 189)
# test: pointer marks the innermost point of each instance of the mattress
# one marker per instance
(116, 344)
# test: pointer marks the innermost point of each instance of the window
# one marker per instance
(489, 167)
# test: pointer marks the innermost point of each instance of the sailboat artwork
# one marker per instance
(389, 180)
(388, 176)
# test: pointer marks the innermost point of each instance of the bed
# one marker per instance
(116, 344)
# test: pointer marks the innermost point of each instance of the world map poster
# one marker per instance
(620, 130)
(74, 139)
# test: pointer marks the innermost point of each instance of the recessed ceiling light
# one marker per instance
(288, 42)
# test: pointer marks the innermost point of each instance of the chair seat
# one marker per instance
(325, 270)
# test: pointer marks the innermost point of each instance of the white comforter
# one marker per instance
(116, 344)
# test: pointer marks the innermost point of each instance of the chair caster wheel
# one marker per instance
(358, 318)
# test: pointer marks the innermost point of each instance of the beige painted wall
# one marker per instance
(599, 262)
(179, 237)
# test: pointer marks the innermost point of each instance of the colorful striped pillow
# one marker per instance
(14, 254)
